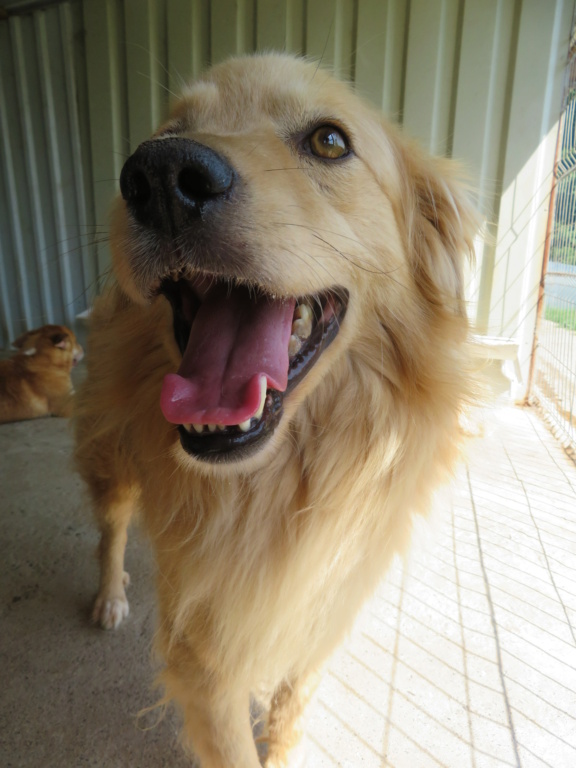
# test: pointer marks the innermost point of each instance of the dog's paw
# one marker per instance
(109, 612)
(111, 606)
(295, 758)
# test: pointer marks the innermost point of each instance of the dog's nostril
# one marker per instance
(134, 185)
(139, 189)
(195, 185)
(167, 183)
(202, 180)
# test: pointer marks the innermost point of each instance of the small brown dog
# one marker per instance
(36, 381)
(274, 380)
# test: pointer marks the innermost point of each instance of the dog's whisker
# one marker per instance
(330, 246)
(295, 168)
(162, 66)
(315, 229)
(80, 237)
(384, 273)
(305, 258)
(97, 239)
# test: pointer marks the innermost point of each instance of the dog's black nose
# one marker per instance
(167, 183)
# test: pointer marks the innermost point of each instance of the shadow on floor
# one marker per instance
(466, 656)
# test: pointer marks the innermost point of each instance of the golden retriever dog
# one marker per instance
(36, 380)
(274, 381)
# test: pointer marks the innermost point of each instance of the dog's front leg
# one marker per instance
(285, 721)
(217, 726)
(113, 517)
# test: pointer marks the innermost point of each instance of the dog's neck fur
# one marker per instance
(219, 520)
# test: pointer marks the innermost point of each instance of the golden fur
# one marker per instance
(264, 563)
(36, 380)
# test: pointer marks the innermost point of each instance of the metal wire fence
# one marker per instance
(554, 383)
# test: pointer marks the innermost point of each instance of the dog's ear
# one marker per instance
(21, 340)
(59, 340)
(441, 223)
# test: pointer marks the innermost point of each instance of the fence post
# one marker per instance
(545, 259)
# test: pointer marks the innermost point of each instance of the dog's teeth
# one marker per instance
(302, 325)
(263, 385)
(303, 312)
(244, 426)
(302, 328)
(294, 345)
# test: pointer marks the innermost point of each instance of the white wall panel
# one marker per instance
(432, 71)
(188, 40)
(527, 156)
(87, 80)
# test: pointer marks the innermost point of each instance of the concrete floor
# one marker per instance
(466, 656)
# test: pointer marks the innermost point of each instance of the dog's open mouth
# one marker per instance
(243, 350)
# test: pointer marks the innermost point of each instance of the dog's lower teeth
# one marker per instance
(294, 345)
(243, 426)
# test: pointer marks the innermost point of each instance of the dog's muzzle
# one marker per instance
(170, 183)
(244, 348)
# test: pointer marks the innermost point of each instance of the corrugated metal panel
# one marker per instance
(45, 183)
(90, 79)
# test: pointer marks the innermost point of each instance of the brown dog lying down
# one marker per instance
(36, 380)
(274, 381)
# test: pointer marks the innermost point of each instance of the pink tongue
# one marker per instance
(235, 340)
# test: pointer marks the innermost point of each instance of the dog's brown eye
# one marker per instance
(328, 142)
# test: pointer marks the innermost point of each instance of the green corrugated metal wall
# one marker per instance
(87, 80)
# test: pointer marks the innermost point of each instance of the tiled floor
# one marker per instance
(466, 656)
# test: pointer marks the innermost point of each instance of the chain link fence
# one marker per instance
(554, 376)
